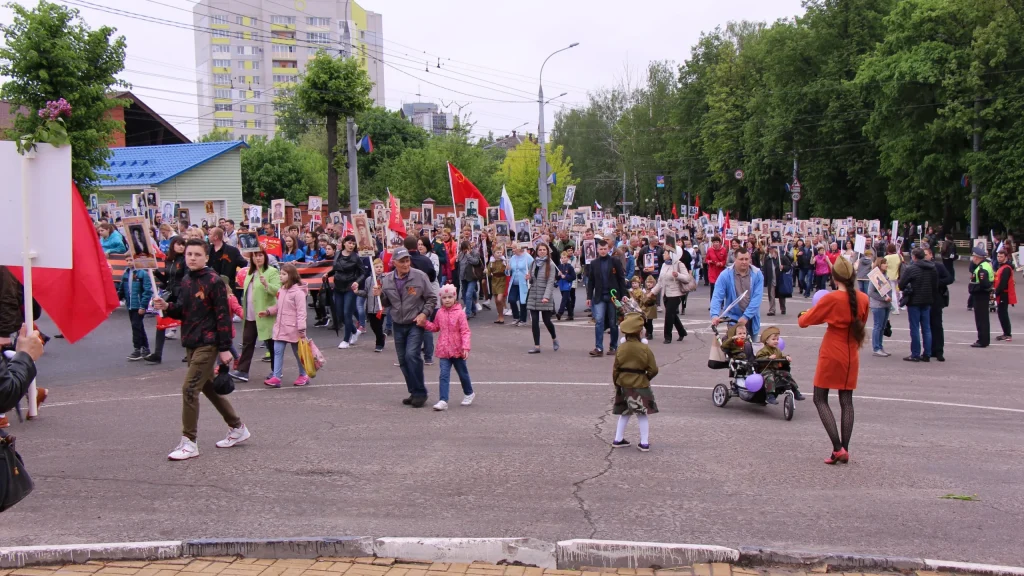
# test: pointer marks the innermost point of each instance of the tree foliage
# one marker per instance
(520, 171)
(277, 168)
(50, 53)
(216, 135)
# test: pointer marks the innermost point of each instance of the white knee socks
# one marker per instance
(641, 419)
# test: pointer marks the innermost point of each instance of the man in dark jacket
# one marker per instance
(605, 275)
(423, 264)
(941, 301)
(202, 307)
(921, 280)
(225, 259)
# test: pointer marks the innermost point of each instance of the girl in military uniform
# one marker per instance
(773, 374)
(632, 372)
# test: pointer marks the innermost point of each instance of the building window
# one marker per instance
(224, 123)
(257, 109)
(219, 33)
(284, 78)
(222, 63)
(256, 80)
(240, 20)
(283, 49)
(255, 64)
(256, 94)
(222, 107)
(285, 64)
(222, 79)
(240, 50)
(219, 19)
(221, 48)
(257, 123)
(221, 93)
(282, 19)
(318, 21)
(318, 37)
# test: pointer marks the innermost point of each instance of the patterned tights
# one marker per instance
(829, 420)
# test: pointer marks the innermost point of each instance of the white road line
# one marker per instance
(519, 383)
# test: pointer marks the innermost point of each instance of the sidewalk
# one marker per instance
(232, 566)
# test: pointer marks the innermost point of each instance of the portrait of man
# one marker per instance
(315, 204)
(776, 236)
(522, 231)
(380, 216)
(277, 211)
(336, 218)
(167, 210)
(183, 216)
(255, 215)
(93, 202)
(472, 207)
(501, 229)
(590, 250)
(493, 214)
(296, 216)
(208, 207)
(364, 239)
(427, 212)
(248, 242)
(151, 199)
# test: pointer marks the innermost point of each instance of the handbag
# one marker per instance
(905, 296)
(887, 331)
(15, 483)
(223, 383)
(717, 358)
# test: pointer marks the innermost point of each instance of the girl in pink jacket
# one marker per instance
(290, 324)
(452, 346)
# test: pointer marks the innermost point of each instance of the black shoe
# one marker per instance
(798, 395)
(643, 447)
(771, 399)
(669, 341)
(136, 355)
(558, 317)
(620, 444)
(407, 401)
(428, 361)
(911, 359)
(267, 358)
(940, 358)
(387, 332)
(978, 345)
(771, 314)
(378, 349)
(418, 401)
(681, 336)
(926, 358)
(185, 359)
(152, 359)
(571, 318)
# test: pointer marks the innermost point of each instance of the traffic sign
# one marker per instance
(796, 196)
(659, 181)
(739, 174)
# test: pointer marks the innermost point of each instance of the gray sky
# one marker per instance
(481, 44)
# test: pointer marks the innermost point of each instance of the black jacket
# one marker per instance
(202, 307)
(600, 285)
(423, 264)
(15, 376)
(922, 279)
(805, 258)
(172, 274)
(942, 286)
(226, 262)
(348, 269)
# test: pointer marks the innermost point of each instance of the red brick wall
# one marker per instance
(118, 137)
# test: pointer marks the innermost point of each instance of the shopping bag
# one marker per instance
(318, 358)
(717, 359)
(306, 357)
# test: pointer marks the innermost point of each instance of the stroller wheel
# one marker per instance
(788, 406)
(720, 395)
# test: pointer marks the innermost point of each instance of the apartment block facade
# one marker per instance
(248, 51)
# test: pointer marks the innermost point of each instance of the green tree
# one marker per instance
(520, 172)
(50, 53)
(277, 168)
(333, 89)
(217, 135)
(391, 135)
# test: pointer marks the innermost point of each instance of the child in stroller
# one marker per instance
(743, 365)
(776, 373)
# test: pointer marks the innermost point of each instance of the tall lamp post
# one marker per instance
(542, 181)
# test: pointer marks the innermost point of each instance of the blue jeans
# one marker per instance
(518, 310)
(920, 325)
(602, 310)
(345, 302)
(469, 288)
(807, 279)
(446, 372)
(881, 316)
(361, 310)
(862, 285)
(428, 342)
(279, 357)
(408, 346)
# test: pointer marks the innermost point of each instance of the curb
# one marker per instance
(564, 555)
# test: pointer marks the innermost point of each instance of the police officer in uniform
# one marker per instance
(980, 289)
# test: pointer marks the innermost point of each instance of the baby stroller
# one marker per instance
(739, 371)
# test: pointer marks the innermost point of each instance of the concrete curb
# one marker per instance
(467, 550)
(16, 557)
(573, 554)
(565, 555)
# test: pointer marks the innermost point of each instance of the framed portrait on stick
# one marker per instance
(139, 245)
(364, 238)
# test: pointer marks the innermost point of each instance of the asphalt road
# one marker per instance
(531, 457)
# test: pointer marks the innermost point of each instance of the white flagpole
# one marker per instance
(27, 256)
(451, 186)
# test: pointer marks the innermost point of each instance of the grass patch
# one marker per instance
(963, 497)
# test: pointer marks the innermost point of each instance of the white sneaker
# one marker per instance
(343, 345)
(354, 338)
(479, 307)
(235, 436)
(508, 312)
(441, 405)
(469, 399)
(186, 449)
(171, 334)
(236, 319)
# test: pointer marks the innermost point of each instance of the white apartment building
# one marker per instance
(246, 51)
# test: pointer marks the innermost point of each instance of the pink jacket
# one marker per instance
(454, 329)
(236, 310)
(290, 310)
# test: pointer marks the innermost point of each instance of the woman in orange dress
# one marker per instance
(844, 311)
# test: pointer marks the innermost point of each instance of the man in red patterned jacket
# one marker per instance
(202, 307)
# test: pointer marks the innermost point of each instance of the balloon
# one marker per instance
(782, 344)
(818, 296)
(754, 382)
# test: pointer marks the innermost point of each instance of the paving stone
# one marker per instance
(116, 571)
(702, 569)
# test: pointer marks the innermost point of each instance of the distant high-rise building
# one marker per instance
(427, 116)
(249, 50)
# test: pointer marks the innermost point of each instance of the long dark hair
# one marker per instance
(856, 324)
(252, 261)
(171, 254)
(547, 260)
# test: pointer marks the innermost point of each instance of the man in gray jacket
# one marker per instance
(411, 298)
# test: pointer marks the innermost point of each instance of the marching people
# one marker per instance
(1005, 290)
(453, 346)
(772, 270)
(880, 306)
(171, 276)
(980, 290)
(499, 282)
(202, 308)
(605, 278)
(540, 296)
(136, 290)
(408, 293)
(844, 311)
(672, 286)
(717, 256)
(289, 312)
(518, 272)
(940, 301)
(348, 275)
(374, 310)
(632, 372)
(259, 293)
(919, 284)
(744, 283)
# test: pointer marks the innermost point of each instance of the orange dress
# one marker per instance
(839, 355)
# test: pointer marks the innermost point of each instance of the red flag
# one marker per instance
(80, 299)
(675, 214)
(696, 204)
(271, 245)
(725, 225)
(396, 224)
(462, 189)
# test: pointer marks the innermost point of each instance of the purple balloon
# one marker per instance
(818, 296)
(754, 382)
(782, 344)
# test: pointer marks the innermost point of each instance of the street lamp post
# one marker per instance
(542, 181)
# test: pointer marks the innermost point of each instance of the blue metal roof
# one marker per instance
(151, 165)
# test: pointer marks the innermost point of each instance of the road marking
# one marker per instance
(520, 383)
